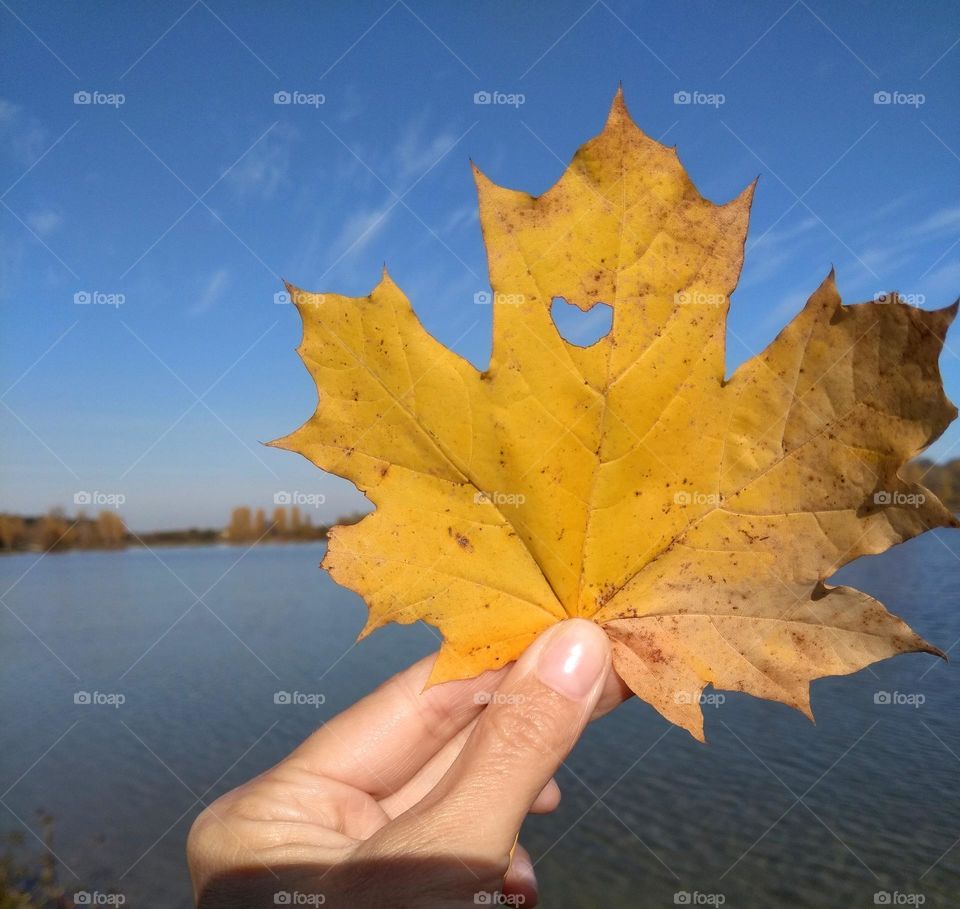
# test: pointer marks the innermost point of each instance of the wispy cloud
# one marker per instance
(212, 292)
(460, 217)
(402, 162)
(942, 285)
(888, 250)
(24, 136)
(947, 220)
(266, 168)
(768, 255)
(418, 150)
(350, 104)
(45, 222)
(360, 228)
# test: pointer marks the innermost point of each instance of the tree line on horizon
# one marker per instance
(247, 526)
(55, 531)
(943, 480)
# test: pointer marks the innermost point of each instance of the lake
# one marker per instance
(859, 810)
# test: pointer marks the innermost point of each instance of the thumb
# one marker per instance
(532, 722)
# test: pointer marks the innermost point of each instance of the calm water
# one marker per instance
(878, 782)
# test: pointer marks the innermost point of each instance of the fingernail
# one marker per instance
(572, 660)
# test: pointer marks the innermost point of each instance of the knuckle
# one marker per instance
(222, 821)
(204, 835)
(526, 723)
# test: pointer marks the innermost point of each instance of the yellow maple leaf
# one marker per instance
(695, 518)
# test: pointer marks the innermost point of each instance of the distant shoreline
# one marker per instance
(136, 546)
(106, 532)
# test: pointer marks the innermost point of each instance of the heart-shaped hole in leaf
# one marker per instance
(580, 328)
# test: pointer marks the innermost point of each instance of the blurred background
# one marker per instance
(166, 166)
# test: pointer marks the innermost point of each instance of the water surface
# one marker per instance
(774, 811)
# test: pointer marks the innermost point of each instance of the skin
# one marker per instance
(411, 798)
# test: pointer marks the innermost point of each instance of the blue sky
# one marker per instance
(191, 199)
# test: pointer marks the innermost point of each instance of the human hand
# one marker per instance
(411, 798)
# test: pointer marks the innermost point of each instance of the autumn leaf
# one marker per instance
(695, 518)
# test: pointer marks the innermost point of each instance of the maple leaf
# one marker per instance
(695, 518)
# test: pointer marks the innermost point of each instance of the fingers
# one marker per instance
(548, 799)
(380, 742)
(517, 745)
(614, 692)
(436, 768)
(520, 881)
